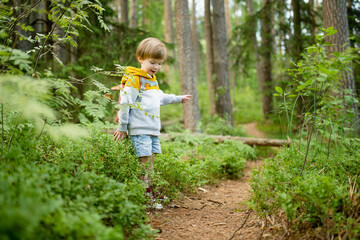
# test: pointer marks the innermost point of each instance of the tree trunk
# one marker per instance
(232, 71)
(191, 109)
(228, 19)
(311, 12)
(117, 10)
(255, 46)
(266, 50)
(209, 56)
(133, 18)
(124, 12)
(280, 35)
(297, 47)
(168, 34)
(222, 91)
(335, 14)
(195, 39)
(145, 10)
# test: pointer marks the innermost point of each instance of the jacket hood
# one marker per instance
(141, 73)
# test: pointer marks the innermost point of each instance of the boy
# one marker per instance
(143, 126)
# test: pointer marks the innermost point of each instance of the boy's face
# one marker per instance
(150, 65)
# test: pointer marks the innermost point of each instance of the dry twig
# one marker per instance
(241, 225)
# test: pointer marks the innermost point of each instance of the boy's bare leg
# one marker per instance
(145, 160)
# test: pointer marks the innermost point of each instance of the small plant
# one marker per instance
(317, 84)
(316, 202)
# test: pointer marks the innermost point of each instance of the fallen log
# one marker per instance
(246, 140)
(220, 138)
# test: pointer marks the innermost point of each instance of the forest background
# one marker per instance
(290, 66)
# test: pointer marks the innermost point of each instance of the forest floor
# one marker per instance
(216, 211)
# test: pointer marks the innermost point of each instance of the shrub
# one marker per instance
(321, 197)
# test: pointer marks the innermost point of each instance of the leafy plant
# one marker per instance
(316, 202)
(316, 80)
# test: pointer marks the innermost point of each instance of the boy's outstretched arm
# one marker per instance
(118, 135)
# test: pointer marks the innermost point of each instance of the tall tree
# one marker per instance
(222, 91)
(311, 12)
(335, 15)
(281, 36)
(169, 35)
(297, 41)
(228, 19)
(124, 18)
(255, 44)
(191, 109)
(195, 39)
(209, 56)
(266, 50)
(133, 17)
(145, 12)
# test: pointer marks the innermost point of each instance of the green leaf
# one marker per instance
(330, 31)
(279, 90)
(310, 49)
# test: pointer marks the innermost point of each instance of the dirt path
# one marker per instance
(252, 130)
(215, 212)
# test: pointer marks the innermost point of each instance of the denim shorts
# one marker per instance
(145, 145)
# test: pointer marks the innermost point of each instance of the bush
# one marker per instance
(321, 197)
(189, 161)
(71, 189)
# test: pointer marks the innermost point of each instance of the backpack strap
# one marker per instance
(143, 83)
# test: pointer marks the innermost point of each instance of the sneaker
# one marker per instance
(156, 206)
(153, 204)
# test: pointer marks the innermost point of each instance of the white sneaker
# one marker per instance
(157, 206)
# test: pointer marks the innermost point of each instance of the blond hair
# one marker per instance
(151, 48)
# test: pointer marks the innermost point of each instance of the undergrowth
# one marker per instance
(312, 187)
(326, 196)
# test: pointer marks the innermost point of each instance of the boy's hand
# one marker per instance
(186, 98)
(119, 135)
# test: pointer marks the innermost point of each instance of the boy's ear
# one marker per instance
(139, 60)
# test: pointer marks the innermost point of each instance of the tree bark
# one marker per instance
(145, 10)
(191, 109)
(255, 47)
(228, 19)
(133, 18)
(168, 33)
(311, 11)
(222, 91)
(280, 35)
(195, 39)
(209, 56)
(124, 17)
(297, 47)
(335, 15)
(266, 50)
